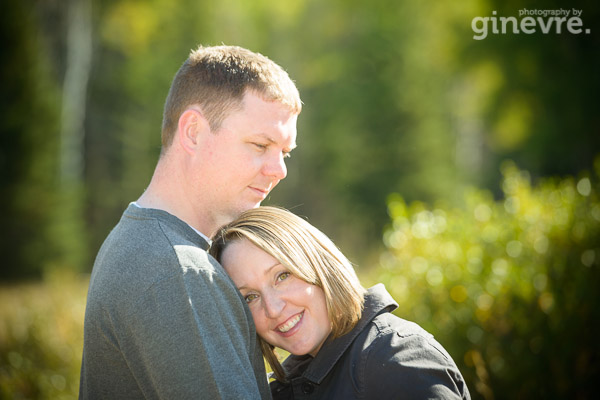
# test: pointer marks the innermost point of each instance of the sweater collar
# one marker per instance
(377, 301)
(137, 212)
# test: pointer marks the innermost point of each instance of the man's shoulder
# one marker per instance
(148, 234)
(152, 224)
(143, 251)
(133, 243)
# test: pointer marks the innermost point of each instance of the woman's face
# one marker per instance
(288, 312)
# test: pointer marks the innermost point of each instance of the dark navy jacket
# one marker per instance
(383, 357)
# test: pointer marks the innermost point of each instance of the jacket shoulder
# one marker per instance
(400, 357)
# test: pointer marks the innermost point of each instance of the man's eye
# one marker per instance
(283, 276)
(260, 146)
(250, 298)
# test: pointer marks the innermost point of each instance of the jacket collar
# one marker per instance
(377, 301)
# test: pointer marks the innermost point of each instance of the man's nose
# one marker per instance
(275, 167)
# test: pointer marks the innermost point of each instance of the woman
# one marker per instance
(305, 298)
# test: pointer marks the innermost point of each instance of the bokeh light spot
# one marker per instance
(458, 293)
(584, 187)
(588, 257)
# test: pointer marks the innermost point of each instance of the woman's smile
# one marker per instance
(288, 312)
(290, 323)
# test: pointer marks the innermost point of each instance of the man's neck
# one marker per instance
(169, 191)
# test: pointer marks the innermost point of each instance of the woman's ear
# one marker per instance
(190, 126)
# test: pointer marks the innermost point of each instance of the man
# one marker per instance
(163, 319)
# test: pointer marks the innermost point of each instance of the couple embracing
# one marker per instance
(197, 282)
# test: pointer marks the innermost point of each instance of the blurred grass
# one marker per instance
(41, 337)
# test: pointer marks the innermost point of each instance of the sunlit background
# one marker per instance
(462, 173)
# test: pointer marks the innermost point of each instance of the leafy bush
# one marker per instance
(41, 337)
(509, 286)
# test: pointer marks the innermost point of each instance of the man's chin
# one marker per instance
(245, 207)
(251, 205)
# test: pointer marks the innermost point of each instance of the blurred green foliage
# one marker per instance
(28, 147)
(398, 97)
(41, 337)
(508, 286)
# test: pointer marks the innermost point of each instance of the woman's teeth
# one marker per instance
(290, 324)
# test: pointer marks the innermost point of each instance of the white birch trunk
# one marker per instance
(78, 66)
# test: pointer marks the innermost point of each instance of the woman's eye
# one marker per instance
(283, 276)
(250, 298)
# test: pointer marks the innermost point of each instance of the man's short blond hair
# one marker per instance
(216, 79)
(308, 254)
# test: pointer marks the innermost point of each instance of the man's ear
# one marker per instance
(191, 124)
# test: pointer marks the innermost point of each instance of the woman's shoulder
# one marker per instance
(388, 334)
(393, 349)
(386, 323)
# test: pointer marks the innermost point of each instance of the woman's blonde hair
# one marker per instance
(308, 254)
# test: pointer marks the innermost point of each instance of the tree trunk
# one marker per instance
(78, 66)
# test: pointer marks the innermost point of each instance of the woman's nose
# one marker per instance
(273, 305)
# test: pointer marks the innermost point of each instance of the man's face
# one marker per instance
(245, 158)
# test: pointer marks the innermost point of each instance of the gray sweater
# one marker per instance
(163, 319)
